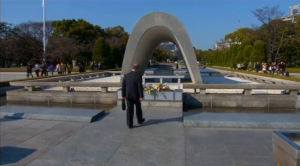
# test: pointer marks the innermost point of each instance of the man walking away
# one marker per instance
(29, 70)
(132, 92)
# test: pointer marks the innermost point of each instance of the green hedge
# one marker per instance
(6, 83)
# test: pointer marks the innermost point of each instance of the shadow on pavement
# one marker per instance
(101, 117)
(158, 121)
(14, 117)
(10, 155)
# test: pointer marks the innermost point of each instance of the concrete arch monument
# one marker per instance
(153, 29)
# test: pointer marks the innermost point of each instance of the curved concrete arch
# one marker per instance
(149, 32)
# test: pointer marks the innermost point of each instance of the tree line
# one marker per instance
(66, 40)
(275, 40)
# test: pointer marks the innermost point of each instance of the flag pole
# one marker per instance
(44, 30)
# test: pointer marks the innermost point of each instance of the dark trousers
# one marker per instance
(44, 72)
(130, 112)
(29, 74)
(37, 72)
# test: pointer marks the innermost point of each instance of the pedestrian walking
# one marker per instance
(29, 70)
(132, 92)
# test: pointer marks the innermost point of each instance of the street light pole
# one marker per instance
(44, 30)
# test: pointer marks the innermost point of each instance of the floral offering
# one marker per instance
(156, 88)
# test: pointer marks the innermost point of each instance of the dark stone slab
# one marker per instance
(57, 114)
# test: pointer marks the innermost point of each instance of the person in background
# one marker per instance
(44, 69)
(81, 69)
(37, 69)
(100, 65)
(93, 65)
(29, 70)
(51, 69)
(58, 69)
(63, 68)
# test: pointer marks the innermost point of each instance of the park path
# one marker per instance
(160, 141)
(109, 142)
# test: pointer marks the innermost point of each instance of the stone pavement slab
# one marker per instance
(241, 120)
(161, 140)
(45, 113)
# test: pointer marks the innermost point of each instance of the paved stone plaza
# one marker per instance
(161, 141)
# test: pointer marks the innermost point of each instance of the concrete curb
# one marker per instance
(241, 120)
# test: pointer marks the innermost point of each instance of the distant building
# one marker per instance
(293, 12)
(171, 48)
(224, 44)
(168, 46)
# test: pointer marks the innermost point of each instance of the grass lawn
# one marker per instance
(297, 79)
(293, 70)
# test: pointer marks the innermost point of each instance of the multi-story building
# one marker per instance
(294, 10)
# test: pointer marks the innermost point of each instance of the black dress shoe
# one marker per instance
(142, 121)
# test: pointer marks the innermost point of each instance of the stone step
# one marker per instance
(55, 114)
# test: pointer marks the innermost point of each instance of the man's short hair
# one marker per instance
(135, 67)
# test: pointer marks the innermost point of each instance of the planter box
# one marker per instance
(173, 95)
(286, 147)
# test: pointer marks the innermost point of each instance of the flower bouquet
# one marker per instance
(156, 88)
(149, 89)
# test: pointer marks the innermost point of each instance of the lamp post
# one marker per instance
(44, 30)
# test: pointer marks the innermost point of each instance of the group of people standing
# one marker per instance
(271, 68)
(44, 68)
(268, 68)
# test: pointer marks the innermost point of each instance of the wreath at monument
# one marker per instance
(157, 88)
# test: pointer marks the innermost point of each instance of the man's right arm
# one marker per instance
(124, 87)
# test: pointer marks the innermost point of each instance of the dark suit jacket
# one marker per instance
(132, 86)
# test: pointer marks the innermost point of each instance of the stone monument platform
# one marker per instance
(46, 113)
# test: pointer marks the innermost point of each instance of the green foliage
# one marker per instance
(246, 53)
(159, 55)
(240, 34)
(113, 56)
(100, 51)
(81, 30)
(258, 52)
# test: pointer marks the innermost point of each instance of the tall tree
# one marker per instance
(100, 51)
(31, 35)
(267, 16)
(247, 53)
(258, 52)
(62, 48)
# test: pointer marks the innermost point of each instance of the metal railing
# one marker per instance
(161, 79)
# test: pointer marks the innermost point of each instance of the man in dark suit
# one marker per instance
(132, 92)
